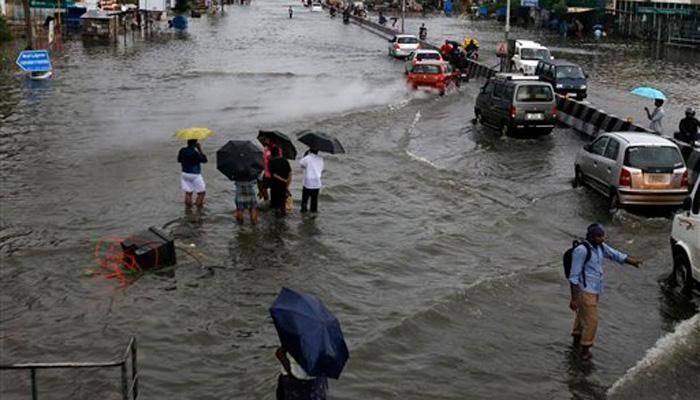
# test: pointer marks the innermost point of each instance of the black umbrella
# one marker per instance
(320, 141)
(280, 139)
(240, 160)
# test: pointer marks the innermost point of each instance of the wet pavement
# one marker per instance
(438, 244)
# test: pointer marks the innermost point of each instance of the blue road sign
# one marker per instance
(34, 61)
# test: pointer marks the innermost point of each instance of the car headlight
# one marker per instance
(582, 87)
(560, 86)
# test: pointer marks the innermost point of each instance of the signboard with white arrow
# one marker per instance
(34, 61)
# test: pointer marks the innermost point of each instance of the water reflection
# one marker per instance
(579, 380)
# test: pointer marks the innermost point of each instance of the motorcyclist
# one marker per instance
(382, 19)
(332, 11)
(346, 15)
(422, 32)
(688, 127)
(472, 50)
(446, 49)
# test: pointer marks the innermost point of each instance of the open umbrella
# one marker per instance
(194, 133)
(320, 141)
(240, 160)
(281, 140)
(310, 333)
(649, 93)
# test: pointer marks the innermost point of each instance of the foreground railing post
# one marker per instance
(134, 372)
(125, 387)
(32, 375)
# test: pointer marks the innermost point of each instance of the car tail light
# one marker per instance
(625, 177)
(554, 111)
(684, 179)
(513, 111)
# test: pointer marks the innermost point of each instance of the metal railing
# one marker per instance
(129, 391)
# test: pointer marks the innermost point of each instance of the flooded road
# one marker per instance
(438, 245)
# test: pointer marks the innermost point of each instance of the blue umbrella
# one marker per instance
(648, 92)
(310, 333)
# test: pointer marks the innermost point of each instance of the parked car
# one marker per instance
(422, 55)
(567, 78)
(633, 168)
(438, 75)
(511, 102)
(316, 7)
(526, 55)
(403, 45)
(685, 242)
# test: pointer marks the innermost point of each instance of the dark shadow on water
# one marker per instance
(581, 385)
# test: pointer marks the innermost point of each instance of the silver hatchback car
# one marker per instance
(633, 168)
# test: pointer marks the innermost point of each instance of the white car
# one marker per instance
(316, 7)
(526, 56)
(422, 55)
(403, 45)
(685, 242)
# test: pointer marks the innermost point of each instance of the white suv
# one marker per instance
(526, 56)
(685, 242)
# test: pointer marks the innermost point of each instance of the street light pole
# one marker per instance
(507, 18)
(403, 14)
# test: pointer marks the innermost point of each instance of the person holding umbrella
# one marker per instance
(656, 117)
(312, 346)
(242, 162)
(312, 164)
(191, 158)
(280, 179)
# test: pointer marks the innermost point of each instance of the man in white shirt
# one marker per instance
(656, 117)
(312, 164)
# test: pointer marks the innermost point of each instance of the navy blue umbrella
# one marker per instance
(310, 333)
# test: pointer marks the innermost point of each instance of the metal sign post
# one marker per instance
(403, 14)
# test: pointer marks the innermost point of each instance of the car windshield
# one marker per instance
(570, 72)
(534, 54)
(426, 69)
(534, 93)
(407, 40)
(653, 157)
(428, 56)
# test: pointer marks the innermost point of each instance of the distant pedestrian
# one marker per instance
(281, 178)
(291, 12)
(294, 383)
(422, 32)
(246, 200)
(656, 117)
(312, 164)
(586, 282)
(191, 180)
(688, 127)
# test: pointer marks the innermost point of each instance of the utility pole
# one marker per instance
(28, 24)
(403, 14)
(507, 18)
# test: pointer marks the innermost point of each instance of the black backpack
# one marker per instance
(568, 258)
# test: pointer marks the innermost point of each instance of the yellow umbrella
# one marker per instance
(194, 133)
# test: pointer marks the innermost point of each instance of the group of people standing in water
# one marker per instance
(273, 184)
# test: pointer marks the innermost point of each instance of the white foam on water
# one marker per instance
(663, 350)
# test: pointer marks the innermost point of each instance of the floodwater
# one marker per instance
(438, 244)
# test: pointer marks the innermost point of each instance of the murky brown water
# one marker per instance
(438, 244)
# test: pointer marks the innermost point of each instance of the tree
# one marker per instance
(28, 24)
(5, 34)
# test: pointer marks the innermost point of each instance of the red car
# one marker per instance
(433, 74)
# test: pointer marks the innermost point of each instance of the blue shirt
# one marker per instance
(190, 159)
(594, 267)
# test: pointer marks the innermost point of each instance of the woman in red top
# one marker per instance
(268, 148)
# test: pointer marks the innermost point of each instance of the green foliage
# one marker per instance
(560, 7)
(182, 6)
(5, 34)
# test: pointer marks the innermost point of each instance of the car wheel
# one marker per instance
(578, 178)
(614, 201)
(682, 276)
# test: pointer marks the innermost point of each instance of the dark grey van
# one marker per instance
(511, 102)
(567, 78)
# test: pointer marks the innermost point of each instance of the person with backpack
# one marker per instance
(585, 275)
